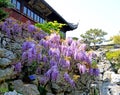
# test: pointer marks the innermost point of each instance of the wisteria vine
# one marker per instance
(54, 55)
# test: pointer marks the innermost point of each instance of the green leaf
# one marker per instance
(42, 90)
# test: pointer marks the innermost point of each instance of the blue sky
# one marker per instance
(101, 14)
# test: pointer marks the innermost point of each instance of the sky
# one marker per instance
(101, 14)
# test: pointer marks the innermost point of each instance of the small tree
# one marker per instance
(94, 36)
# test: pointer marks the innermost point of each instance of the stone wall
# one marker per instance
(109, 81)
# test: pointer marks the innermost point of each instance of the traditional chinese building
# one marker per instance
(37, 11)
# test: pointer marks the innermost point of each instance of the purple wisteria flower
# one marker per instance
(79, 55)
(11, 27)
(52, 62)
(31, 28)
(48, 73)
(8, 32)
(39, 35)
(44, 43)
(72, 83)
(87, 59)
(39, 57)
(43, 80)
(24, 56)
(69, 40)
(32, 53)
(73, 45)
(91, 71)
(52, 73)
(63, 49)
(55, 74)
(16, 28)
(29, 51)
(18, 67)
(4, 26)
(41, 42)
(66, 64)
(91, 55)
(54, 52)
(27, 45)
(94, 71)
(83, 47)
(68, 79)
(66, 76)
(62, 62)
(45, 58)
(54, 38)
(82, 68)
(38, 70)
(68, 52)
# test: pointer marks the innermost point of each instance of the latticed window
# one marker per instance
(16, 4)
(32, 14)
(29, 12)
(25, 10)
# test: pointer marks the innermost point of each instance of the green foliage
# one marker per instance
(114, 56)
(96, 92)
(116, 39)
(94, 36)
(51, 27)
(62, 35)
(3, 4)
(42, 90)
(3, 14)
(32, 68)
(94, 63)
(3, 89)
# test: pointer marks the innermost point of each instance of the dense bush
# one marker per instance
(13, 29)
(54, 56)
(51, 27)
(114, 57)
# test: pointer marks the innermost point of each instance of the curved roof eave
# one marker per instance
(71, 26)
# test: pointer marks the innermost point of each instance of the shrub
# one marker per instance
(51, 27)
(54, 56)
(116, 39)
(114, 57)
(3, 4)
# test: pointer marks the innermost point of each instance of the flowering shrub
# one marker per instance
(16, 29)
(53, 55)
(49, 55)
